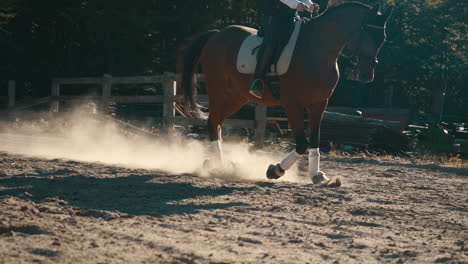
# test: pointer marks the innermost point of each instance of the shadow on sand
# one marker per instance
(133, 195)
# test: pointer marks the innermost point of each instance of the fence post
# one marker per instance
(11, 99)
(54, 107)
(260, 125)
(106, 92)
(11, 93)
(106, 85)
(169, 86)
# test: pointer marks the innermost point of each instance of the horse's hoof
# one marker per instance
(275, 172)
(333, 183)
(319, 177)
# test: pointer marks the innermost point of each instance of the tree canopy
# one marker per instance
(425, 54)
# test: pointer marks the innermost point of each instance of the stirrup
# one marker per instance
(257, 88)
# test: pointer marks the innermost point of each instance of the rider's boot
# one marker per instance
(265, 53)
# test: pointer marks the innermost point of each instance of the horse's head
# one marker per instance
(365, 45)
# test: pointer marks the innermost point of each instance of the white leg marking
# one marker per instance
(314, 161)
(217, 150)
(289, 160)
(314, 166)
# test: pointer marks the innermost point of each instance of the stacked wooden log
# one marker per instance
(359, 132)
(354, 130)
(374, 134)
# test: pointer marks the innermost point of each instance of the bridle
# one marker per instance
(357, 53)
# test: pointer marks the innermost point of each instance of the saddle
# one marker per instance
(247, 56)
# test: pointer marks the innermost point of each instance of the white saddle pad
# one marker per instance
(246, 61)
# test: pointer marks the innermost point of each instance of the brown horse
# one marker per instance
(308, 84)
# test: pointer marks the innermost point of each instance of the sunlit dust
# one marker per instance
(89, 140)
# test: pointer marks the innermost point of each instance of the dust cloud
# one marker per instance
(85, 138)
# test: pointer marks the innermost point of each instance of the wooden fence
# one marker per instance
(334, 126)
(168, 99)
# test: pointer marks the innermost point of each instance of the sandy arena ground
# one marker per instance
(58, 206)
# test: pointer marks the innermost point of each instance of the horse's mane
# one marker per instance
(333, 9)
(347, 4)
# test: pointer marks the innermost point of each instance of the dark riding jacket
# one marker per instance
(275, 8)
(276, 22)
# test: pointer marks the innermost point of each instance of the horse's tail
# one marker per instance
(187, 68)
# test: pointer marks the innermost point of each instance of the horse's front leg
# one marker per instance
(296, 121)
(214, 132)
(315, 119)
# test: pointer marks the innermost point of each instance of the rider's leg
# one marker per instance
(277, 31)
(265, 53)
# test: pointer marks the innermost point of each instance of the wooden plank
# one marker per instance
(280, 119)
(260, 125)
(180, 110)
(22, 105)
(137, 99)
(156, 99)
(191, 121)
(54, 107)
(370, 110)
(106, 85)
(118, 99)
(338, 117)
(103, 106)
(203, 98)
(169, 112)
(124, 79)
(138, 79)
(114, 80)
(132, 128)
(188, 121)
(85, 80)
(239, 123)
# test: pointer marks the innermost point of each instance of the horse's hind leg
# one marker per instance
(219, 111)
(214, 133)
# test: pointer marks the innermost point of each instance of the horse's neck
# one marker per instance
(330, 32)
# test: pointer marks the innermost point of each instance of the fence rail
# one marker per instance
(168, 99)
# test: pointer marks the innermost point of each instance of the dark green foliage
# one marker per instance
(388, 141)
(436, 139)
(426, 49)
